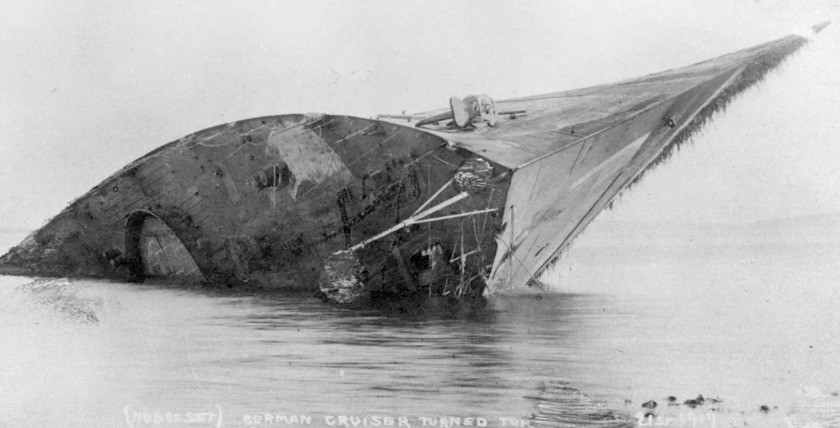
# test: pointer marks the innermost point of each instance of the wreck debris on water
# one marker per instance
(478, 198)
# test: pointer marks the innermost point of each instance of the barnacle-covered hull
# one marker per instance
(359, 207)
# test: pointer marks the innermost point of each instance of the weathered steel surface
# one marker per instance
(264, 202)
(161, 252)
(276, 202)
(557, 119)
(554, 198)
(574, 151)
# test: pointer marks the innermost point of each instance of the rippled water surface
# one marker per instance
(739, 323)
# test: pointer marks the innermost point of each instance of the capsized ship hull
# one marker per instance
(362, 207)
(265, 202)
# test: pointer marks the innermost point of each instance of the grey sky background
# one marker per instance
(88, 86)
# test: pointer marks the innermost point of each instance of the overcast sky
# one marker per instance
(86, 87)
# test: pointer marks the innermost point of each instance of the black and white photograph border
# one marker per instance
(419, 214)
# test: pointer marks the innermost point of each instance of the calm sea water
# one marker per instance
(751, 324)
(747, 314)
